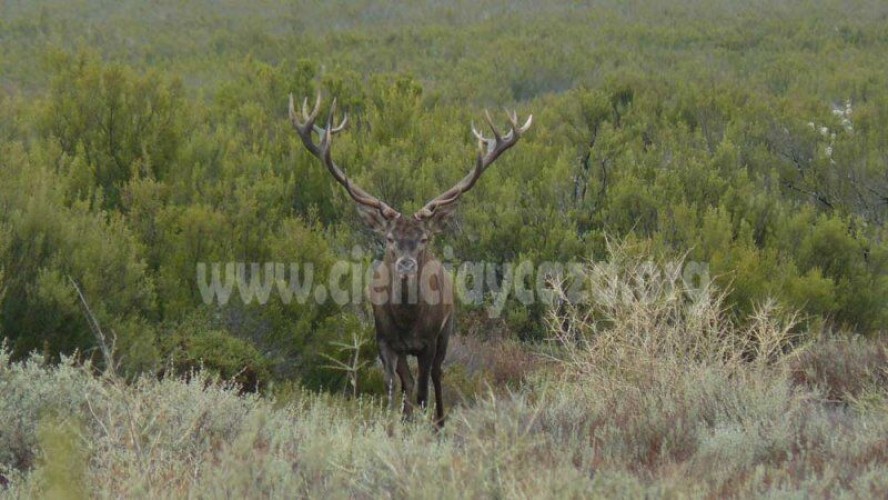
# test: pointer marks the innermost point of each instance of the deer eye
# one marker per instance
(389, 239)
(424, 240)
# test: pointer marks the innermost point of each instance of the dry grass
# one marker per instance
(498, 364)
(845, 371)
(654, 393)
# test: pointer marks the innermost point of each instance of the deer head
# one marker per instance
(406, 237)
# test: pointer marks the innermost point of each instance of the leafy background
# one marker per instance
(139, 138)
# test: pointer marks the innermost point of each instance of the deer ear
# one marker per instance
(437, 220)
(375, 218)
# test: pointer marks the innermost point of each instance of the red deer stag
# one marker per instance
(407, 322)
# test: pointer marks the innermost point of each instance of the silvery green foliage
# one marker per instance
(608, 418)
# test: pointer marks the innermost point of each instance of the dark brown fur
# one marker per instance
(414, 314)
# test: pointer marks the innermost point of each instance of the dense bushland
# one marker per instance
(137, 140)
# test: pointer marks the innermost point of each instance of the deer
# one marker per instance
(411, 293)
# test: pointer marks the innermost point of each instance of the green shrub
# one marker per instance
(219, 353)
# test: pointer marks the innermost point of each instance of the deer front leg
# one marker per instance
(406, 385)
(436, 377)
(425, 366)
(389, 360)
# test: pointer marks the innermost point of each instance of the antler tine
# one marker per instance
(483, 143)
(330, 119)
(316, 109)
(342, 124)
(329, 125)
(292, 112)
(307, 122)
(526, 125)
(513, 117)
(304, 126)
(308, 119)
(493, 128)
(513, 120)
(477, 134)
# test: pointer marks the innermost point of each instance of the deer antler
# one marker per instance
(489, 150)
(304, 129)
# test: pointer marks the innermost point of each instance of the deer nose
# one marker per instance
(405, 265)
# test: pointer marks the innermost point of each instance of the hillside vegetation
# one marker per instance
(746, 141)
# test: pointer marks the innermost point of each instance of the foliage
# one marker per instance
(194, 348)
(138, 140)
(47, 242)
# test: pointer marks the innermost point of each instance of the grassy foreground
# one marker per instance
(648, 390)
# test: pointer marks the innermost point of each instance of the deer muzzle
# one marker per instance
(405, 266)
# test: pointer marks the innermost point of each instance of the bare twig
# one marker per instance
(354, 365)
(107, 350)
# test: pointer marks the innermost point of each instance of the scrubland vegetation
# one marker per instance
(138, 139)
(673, 399)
